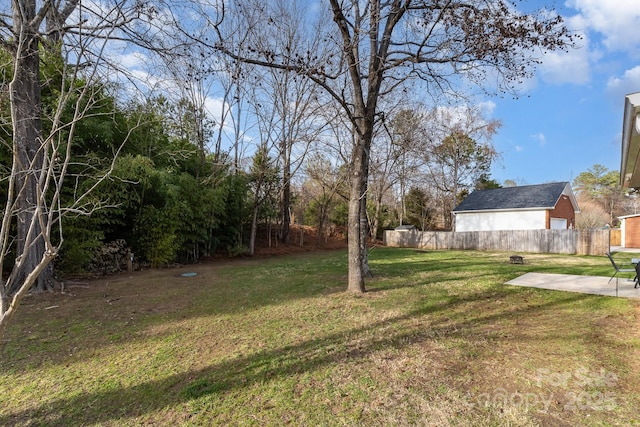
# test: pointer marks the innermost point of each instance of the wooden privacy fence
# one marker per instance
(616, 237)
(580, 242)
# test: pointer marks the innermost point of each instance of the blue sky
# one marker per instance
(570, 115)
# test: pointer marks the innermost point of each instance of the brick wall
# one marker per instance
(564, 209)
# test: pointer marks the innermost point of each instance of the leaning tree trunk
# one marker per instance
(25, 93)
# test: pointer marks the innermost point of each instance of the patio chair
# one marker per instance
(622, 270)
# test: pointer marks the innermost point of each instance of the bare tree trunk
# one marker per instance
(364, 236)
(286, 194)
(254, 229)
(357, 193)
(375, 224)
(320, 230)
(364, 219)
(356, 278)
(254, 216)
(25, 96)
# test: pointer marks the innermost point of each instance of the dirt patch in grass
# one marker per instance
(302, 239)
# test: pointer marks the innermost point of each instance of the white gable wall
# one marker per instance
(488, 221)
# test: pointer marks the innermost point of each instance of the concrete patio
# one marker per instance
(596, 285)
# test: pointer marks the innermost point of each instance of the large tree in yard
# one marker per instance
(375, 47)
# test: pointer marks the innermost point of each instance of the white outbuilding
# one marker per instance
(528, 207)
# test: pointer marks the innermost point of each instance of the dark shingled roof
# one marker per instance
(525, 197)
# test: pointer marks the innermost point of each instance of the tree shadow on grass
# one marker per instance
(359, 343)
(122, 307)
(124, 311)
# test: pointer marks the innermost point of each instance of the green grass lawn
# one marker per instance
(438, 339)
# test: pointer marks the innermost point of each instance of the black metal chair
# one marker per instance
(622, 270)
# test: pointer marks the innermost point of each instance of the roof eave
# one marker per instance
(628, 216)
(505, 210)
(572, 198)
(630, 156)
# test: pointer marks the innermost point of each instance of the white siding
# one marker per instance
(490, 221)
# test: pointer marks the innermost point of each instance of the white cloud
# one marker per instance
(629, 82)
(605, 26)
(540, 138)
(566, 67)
(216, 109)
(572, 66)
(488, 107)
(465, 116)
(519, 148)
(618, 21)
(132, 60)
